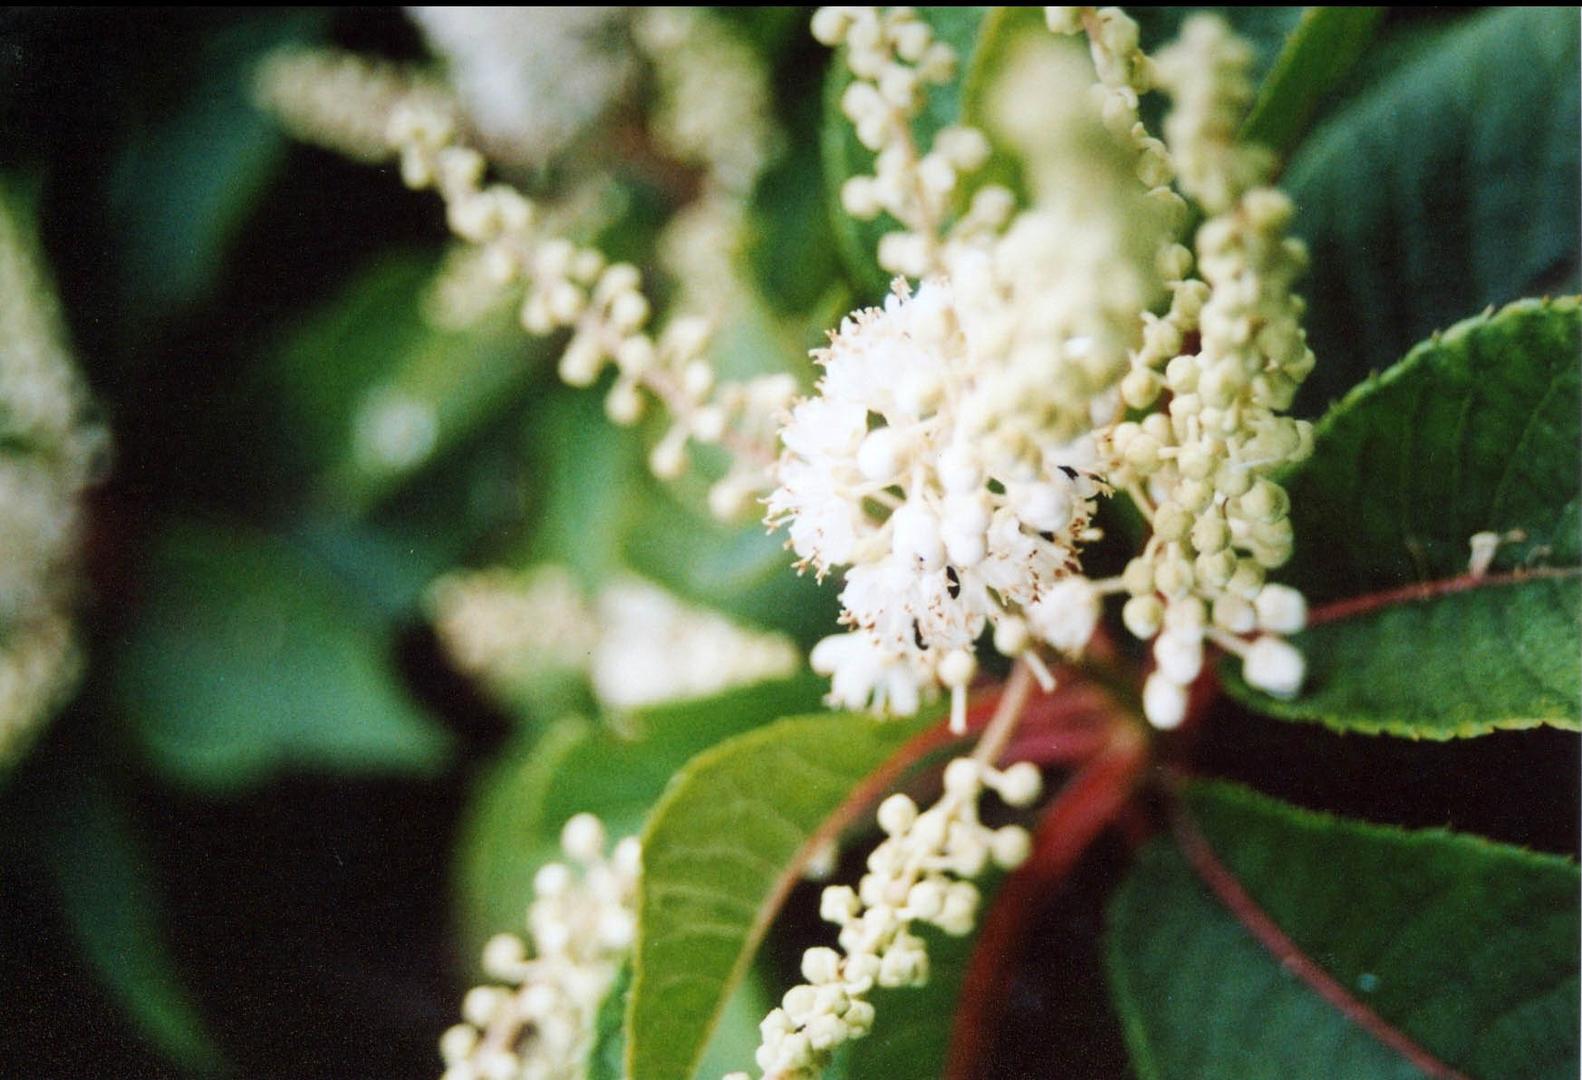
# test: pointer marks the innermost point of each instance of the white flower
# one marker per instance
(979, 526)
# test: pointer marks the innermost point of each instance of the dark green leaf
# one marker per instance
(107, 894)
(580, 493)
(718, 853)
(1465, 663)
(1316, 57)
(183, 186)
(1447, 185)
(742, 570)
(1465, 947)
(248, 658)
(1477, 430)
(373, 389)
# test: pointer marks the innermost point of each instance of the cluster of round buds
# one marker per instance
(571, 287)
(947, 526)
(539, 1025)
(1124, 73)
(1207, 72)
(894, 57)
(1201, 465)
(920, 873)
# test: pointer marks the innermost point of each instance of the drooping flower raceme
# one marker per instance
(921, 873)
(538, 1024)
(1200, 466)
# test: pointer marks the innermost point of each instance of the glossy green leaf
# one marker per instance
(719, 852)
(1316, 57)
(1477, 430)
(512, 825)
(1464, 947)
(105, 882)
(1466, 663)
(732, 1048)
(247, 658)
(1446, 185)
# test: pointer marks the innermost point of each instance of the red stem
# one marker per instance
(1223, 883)
(1427, 590)
(1092, 799)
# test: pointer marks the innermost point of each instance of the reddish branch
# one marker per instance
(1246, 911)
(1091, 800)
(1427, 590)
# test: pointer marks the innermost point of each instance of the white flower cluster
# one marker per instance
(894, 57)
(49, 452)
(1200, 467)
(921, 873)
(1124, 73)
(1207, 74)
(654, 648)
(960, 435)
(539, 1025)
(948, 455)
(982, 522)
(638, 644)
(565, 286)
(506, 627)
(532, 78)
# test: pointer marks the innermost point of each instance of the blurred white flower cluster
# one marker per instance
(530, 78)
(540, 1024)
(49, 452)
(638, 644)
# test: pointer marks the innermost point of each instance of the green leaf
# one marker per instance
(719, 852)
(1466, 663)
(248, 658)
(1317, 56)
(742, 570)
(105, 882)
(1444, 186)
(845, 157)
(1476, 430)
(182, 187)
(371, 362)
(732, 1048)
(512, 825)
(1465, 947)
(580, 494)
